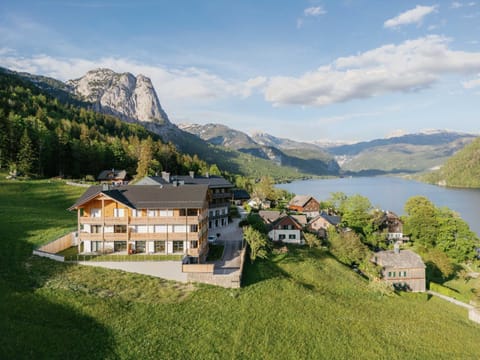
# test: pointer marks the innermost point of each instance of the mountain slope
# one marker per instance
(408, 153)
(306, 158)
(461, 170)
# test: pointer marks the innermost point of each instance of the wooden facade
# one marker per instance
(403, 269)
(109, 225)
(305, 204)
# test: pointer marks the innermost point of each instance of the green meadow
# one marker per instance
(298, 305)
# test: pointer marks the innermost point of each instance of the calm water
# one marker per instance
(391, 193)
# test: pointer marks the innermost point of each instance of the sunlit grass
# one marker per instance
(298, 305)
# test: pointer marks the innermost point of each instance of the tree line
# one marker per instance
(43, 137)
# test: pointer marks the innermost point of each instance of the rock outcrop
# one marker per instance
(123, 95)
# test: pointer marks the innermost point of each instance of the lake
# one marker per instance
(391, 193)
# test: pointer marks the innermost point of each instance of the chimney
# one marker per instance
(192, 174)
(396, 248)
(166, 176)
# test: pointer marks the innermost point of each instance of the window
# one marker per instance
(281, 237)
(179, 228)
(151, 213)
(159, 246)
(119, 246)
(120, 229)
(118, 212)
(178, 246)
(402, 274)
(192, 212)
(292, 236)
(193, 244)
(165, 213)
(391, 274)
(194, 228)
(136, 213)
(139, 246)
(95, 213)
(96, 229)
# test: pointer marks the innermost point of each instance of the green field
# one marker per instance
(299, 305)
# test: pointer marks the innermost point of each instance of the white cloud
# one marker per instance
(172, 84)
(413, 16)
(474, 83)
(314, 11)
(410, 66)
(458, 5)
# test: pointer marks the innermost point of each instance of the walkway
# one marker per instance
(450, 299)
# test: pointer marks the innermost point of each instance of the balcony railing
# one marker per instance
(142, 220)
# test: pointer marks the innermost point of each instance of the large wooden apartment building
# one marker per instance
(162, 219)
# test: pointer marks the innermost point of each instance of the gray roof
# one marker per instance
(112, 175)
(332, 219)
(212, 181)
(150, 197)
(403, 259)
(269, 216)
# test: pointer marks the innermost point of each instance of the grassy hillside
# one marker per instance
(300, 305)
(461, 170)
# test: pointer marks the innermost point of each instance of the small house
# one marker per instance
(113, 177)
(404, 269)
(305, 204)
(322, 222)
(286, 229)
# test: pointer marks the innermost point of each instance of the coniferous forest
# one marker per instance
(41, 136)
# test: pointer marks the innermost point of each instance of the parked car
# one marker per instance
(212, 239)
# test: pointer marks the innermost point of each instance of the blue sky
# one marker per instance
(308, 70)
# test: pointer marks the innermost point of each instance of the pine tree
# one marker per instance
(26, 155)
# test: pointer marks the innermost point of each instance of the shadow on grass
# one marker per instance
(34, 325)
(270, 268)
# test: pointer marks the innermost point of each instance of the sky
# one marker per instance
(308, 70)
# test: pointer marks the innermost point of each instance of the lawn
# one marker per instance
(298, 305)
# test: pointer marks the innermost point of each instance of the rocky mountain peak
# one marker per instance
(131, 98)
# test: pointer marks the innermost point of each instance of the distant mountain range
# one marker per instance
(134, 99)
(305, 157)
(403, 154)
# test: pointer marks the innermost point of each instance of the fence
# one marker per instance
(49, 255)
(50, 249)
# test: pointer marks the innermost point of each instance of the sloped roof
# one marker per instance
(332, 219)
(300, 200)
(212, 181)
(112, 175)
(287, 218)
(240, 194)
(402, 259)
(269, 216)
(301, 219)
(150, 197)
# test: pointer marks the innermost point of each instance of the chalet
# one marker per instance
(286, 229)
(322, 222)
(144, 219)
(113, 177)
(305, 204)
(404, 269)
(220, 193)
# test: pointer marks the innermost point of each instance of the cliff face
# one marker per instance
(123, 95)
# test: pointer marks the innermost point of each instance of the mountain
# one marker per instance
(408, 153)
(461, 170)
(306, 158)
(133, 100)
(123, 95)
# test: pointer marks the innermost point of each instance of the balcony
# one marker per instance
(164, 220)
(164, 236)
(106, 236)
